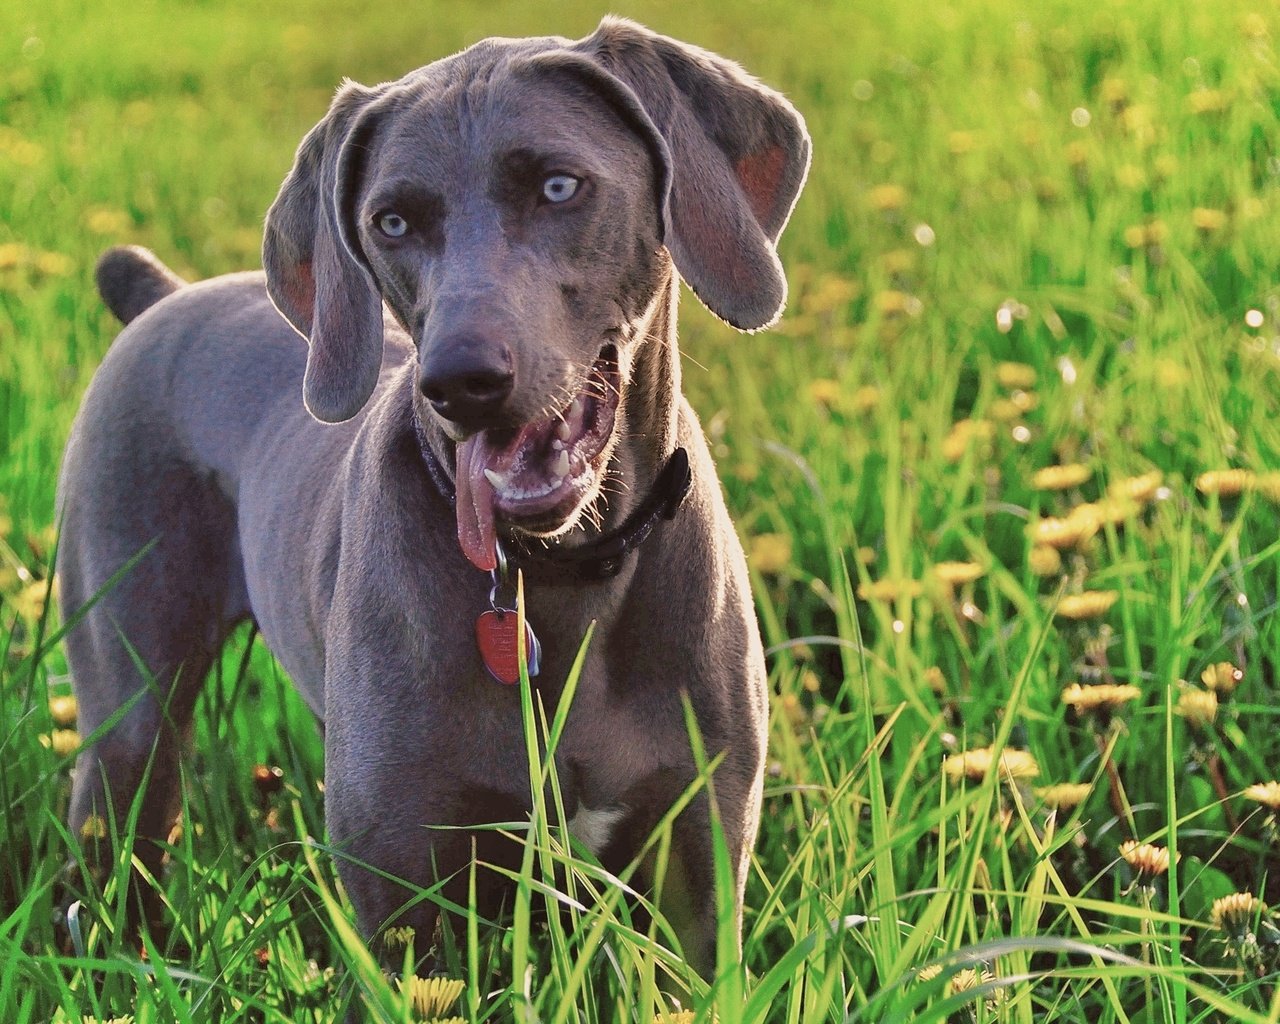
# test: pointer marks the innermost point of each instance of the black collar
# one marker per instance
(601, 558)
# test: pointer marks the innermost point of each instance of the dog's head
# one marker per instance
(518, 207)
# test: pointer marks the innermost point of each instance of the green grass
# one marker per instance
(993, 182)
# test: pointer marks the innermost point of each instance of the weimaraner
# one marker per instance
(482, 259)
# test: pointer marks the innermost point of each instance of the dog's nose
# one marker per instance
(467, 380)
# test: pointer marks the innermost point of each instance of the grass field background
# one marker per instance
(1035, 235)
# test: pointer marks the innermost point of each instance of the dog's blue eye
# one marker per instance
(392, 224)
(560, 188)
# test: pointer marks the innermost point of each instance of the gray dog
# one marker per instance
(482, 259)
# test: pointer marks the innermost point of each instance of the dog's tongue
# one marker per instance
(476, 532)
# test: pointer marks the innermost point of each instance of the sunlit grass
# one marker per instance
(1006, 474)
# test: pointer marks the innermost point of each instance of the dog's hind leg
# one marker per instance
(141, 651)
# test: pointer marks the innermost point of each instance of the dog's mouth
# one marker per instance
(537, 477)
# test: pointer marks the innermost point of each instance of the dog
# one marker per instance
(458, 368)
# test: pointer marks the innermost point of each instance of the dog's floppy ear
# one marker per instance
(738, 152)
(316, 273)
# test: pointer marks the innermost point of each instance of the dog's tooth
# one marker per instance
(563, 430)
(497, 479)
(557, 446)
(576, 408)
(561, 466)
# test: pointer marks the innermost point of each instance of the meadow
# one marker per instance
(1008, 474)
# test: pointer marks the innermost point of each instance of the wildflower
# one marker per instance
(1102, 698)
(1136, 488)
(1114, 92)
(1015, 376)
(1131, 176)
(1265, 793)
(398, 938)
(94, 827)
(1146, 859)
(62, 742)
(1235, 915)
(891, 302)
(431, 996)
(1061, 533)
(1208, 220)
(62, 710)
(974, 764)
(952, 574)
(678, 1017)
(962, 432)
(1044, 560)
(1208, 101)
(1060, 478)
(969, 979)
(887, 198)
(926, 974)
(30, 601)
(1151, 233)
(935, 680)
(1063, 796)
(825, 393)
(1222, 677)
(1093, 515)
(770, 553)
(1226, 483)
(961, 143)
(865, 398)
(54, 264)
(1198, 707)
(103, 221)
(890, 589)
(1077, 154)
(1091, 604)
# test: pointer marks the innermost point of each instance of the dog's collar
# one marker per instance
(599, 559)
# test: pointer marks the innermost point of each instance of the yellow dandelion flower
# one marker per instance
(866, 555)
(1226, 483)
(1222, 677)
(398, 938)
(1254, 25)
(935, 680)
(1131, 176)
(1170, 374)
(962, 433)
(1015, 376)
(675, 1017)
(1091, 604)
(1087, 700)
(1077, 154)
(891, 302)
(1208, 101)
(1093, 515)
(1002, 410)
(926, 974)
(63, 710)
(961, 142)
(1060, 478)
(887, 198)
(63, 742)
(13, 255)
(974, 764)
(29, 602)
(1236, 915)
(103, 221)
(890, 589)
(953, 574)
(769, 553)
(54, 264)
(1146, 859)
(94, 827)
(1063, 796)
(825, 393)
(1061, 533)
(1044, 560)
(1198, 707)
(865, 398)
(1136, 488)
(1207, 220)
(898, 261)
(431, 996)
(1265, 793)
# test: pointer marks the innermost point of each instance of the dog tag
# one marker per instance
(496, 641)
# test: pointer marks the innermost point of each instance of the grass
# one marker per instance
(1034, 235)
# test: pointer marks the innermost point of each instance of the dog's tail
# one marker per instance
(131, 280)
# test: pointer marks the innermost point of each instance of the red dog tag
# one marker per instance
(496, 641)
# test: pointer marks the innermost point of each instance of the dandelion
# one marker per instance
(1077, 154)
(1063, 796)
(1044, 560)
(1222, 677)
(398, 938)
(1099, 699)
(953, 574)
(887, 198)
(54, 264)
(825, 393)
(865, 398)
(891, 302)
(1198, 707)
(926, 974)
(969, 979)
(962, 433)
(1236, 913)
(1060, 478)
(63, 710)
(1136, 488)
(30, 601)
(1146, 859)
(1061, 533)
(63, 742)
(103, 221)
(1015, 376)
(431, 996)
(935, 680)
(770, 553)
(1091, 604)
(1265, 793)
(1208, 101)
(678, 1017)
(1208, 221)
(960, 143)
(890, 589)
(974, 764)
(1226, 483)
(1093, 515)
(94, 827)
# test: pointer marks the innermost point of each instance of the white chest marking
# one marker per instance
(591, 825)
